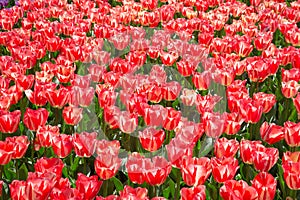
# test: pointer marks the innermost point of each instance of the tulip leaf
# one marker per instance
(75, 164)
(9, 171)
(23, 172)
(118, 184)
(166, 192)
(172, 187)
(206, 146)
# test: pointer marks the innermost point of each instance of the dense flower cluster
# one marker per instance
(169, 99)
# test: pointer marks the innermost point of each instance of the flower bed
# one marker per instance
(150, 99)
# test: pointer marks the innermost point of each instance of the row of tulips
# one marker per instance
(169, 99)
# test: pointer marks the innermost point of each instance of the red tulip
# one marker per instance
(154, 93)
(110, 116)
(38, 186)
(135, 193)
(45, 134)
(177, 149)
(290, 89)
(151, 139)
(35, 118)
(197, 192)
(296, 102)
(89, 186)
(213, 124)
(52, 165)
(263, 40)
(267, 101)
(265, 158)
(206, 103)
(168, 58)
(291, 166)
(171, 90)
(188, 97)
(250, 110)
(157, 171)
(108, 147)
(127, 122)
(233, 123)
(233, 189)
(247, 150)
(24, 82)
(224, 169)
(18, 190)
(185, 68)
(265, 185)
(6, 152)
(84, 143)
(271, 133)
(106, 96)
(72, 115)
(81, 96)
(66, 194)
(107, 165)
(96, 72)
(9, 121)
(225, 148)
(135, 167)
(155, 115)
(62, 145)
(20, 143)
(195, 171)
(291, 133)
(58, 98)
(172, 119)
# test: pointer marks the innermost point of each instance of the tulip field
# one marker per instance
(149, 99)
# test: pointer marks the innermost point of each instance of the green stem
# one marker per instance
(84, 165)
(292, 194)
(105, 188)
(17, 168)
(1, 171)
(177, 191)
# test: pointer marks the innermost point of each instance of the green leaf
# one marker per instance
(118, 184)
(75, 164)
(172, 187)
(23, 172)
(212, 191)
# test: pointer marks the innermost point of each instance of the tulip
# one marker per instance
(197, 192)
(291, 133)
(265, 158)
(20, 143)
(158, 171)
(271, 133)
(49, 165)
(135, 168)
(62, 145)
(72, 115)
(233, 189)
(291, 166)
(195, 171)
(9, 121)
(106, 166)
(265, 185)
(84, 143)
(136, 193)
(225, 148)
(89, 186)
(45, 134)
(35, 118)
(224, 169)
(6, 152)
(151, 139)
